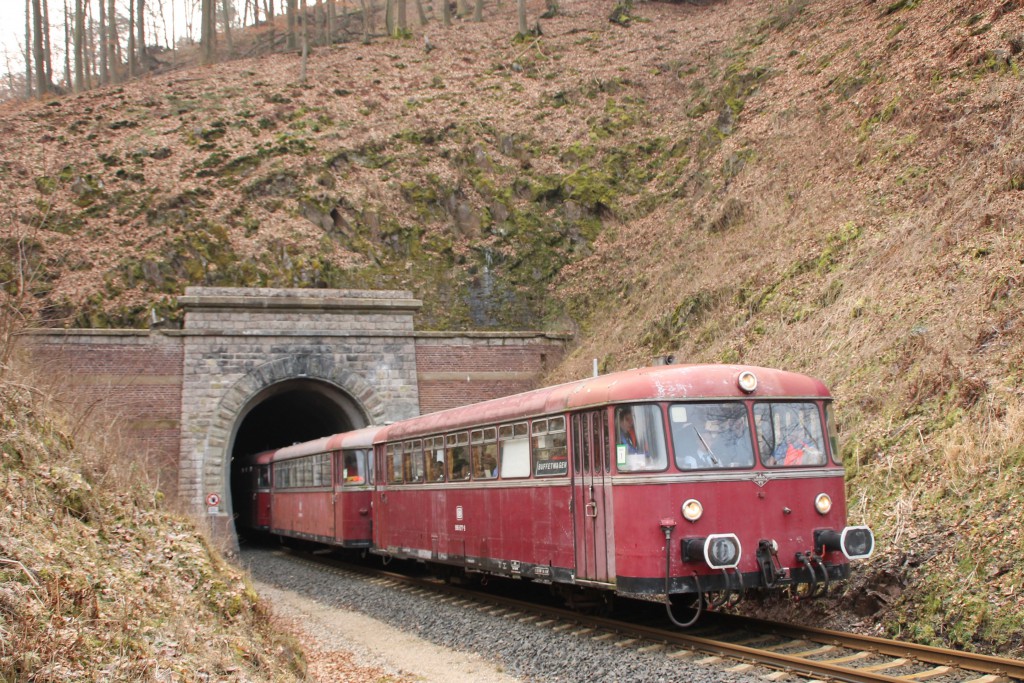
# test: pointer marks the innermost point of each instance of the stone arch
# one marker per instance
(310, 371)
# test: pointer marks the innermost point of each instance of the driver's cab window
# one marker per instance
(639, 439)
(789, 434)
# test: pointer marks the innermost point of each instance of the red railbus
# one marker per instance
(322, 489)
(701, 480)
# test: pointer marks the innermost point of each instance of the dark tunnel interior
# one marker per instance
(288, 413)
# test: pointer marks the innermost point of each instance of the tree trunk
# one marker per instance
(67, 46)
(291, 25)
(79, 46)
(37, 48)
(90, 49)
(305, 41)
(133, 65)
(113, 48)
(140, 41)
(209, 31)
(403, 25)
(227, 27)
(332, 21)
(104, 57)
(47, 63)
(268, 11)
(446, 13)
(522, 18)
(422, 15)
(366, 20)
(478, 12)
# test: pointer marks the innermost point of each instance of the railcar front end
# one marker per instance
(717, 496)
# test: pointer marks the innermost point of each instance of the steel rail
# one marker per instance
(1012, 668)
(901, 652)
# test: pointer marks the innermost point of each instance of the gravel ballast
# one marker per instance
(506, 646)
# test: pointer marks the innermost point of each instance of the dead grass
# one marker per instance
(97, 579)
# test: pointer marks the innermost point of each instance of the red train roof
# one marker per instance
(359, 438)
(659, 383)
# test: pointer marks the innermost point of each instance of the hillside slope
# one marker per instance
(99, 582)
(824, 186)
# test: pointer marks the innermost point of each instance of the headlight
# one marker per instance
(748, 381)
(692, 510)
(823, 503)
(722, 551)
(857, 542)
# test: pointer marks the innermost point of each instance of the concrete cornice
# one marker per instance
(527, 334)
(303, 303)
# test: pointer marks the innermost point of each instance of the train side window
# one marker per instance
(484, 448)
(457, 454)
(263, 480)
(320, 466)
(639, 439)
(393, 461)
(789, 434)
(412, 462)
(514, 445)
(434, 452)
(833, 434)
(549, 447)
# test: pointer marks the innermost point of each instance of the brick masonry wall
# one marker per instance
(125, 380)
(178, 396)
(458, 369)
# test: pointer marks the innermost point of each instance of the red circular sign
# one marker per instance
(212, 500)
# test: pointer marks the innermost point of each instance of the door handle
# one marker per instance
(591, 509)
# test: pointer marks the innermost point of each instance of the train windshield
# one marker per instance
(639, 439)
(789, 434)
(711, 435)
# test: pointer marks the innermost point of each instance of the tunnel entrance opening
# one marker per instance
(285, 413)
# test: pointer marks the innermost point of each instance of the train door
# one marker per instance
(590, 494)
(380, 500)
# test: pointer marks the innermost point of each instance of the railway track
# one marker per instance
(735, 644)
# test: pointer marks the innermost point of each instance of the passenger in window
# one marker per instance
(490, 466)
(460, 470)
(627, 432)
(797, 451)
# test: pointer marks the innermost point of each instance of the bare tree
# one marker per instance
(209, 31)
(104, 56)
(67, 44)
(291, 24)
(37, 49)
(228, 10)
(305, 42)
(446, 13)
(140, 40)
(133, 67)
(47, 63)
(478, 11)
(522, 18)
(80, 65)
(28, 50)
(113, 44)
